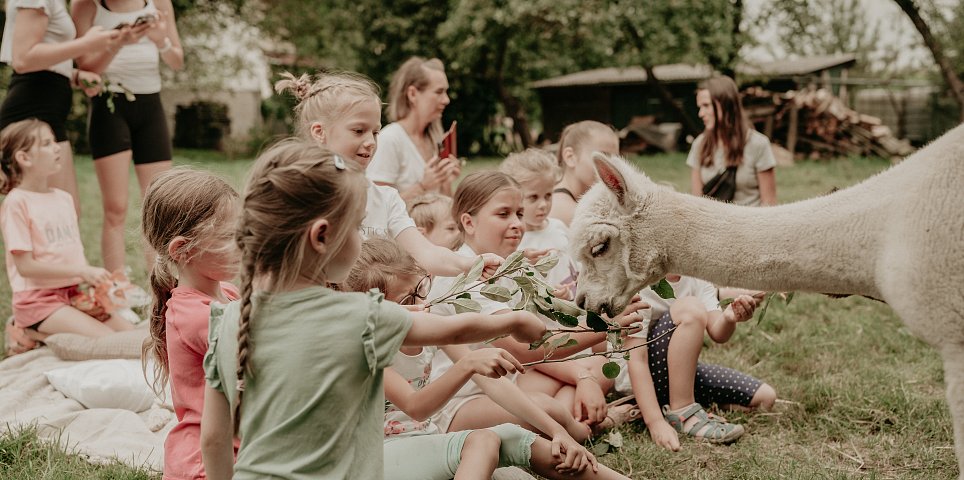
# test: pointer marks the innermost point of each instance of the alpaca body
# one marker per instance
(897, 237)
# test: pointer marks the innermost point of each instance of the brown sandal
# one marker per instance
(616, 416)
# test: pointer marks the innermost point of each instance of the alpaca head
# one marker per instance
(612, 239)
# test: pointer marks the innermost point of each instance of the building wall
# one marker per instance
(244, 108)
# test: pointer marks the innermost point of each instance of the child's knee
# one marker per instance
(764, 398)
(688, 310)
(482, 442)
(515, 448)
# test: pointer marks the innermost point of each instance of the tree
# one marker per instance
(951, 77)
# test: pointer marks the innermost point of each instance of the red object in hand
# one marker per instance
(447, 147)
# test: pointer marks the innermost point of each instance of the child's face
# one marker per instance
(582, 166)
(355, 134)
(445, 233)
(44, 155)
(497, 227)
(409, 289)
(536, 202)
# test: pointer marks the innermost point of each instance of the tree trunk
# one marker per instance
(947, 70)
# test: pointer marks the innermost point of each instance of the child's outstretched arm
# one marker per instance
(660, 430)
(439, 260)
(29, 267)
(570, 454)
(421, 404)
(721, 325)
(462, 328)
(217, 437)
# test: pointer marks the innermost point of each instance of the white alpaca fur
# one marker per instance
(898, 237)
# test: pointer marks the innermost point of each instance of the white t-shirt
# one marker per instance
(397, 160)
(554, 236)
(757, 157)
(60, 28)
(416, 370)
(385, 213)
(135, 66)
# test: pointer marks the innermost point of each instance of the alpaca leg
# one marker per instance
(954, 377)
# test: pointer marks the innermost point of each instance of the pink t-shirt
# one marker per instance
(44, 224)
(188, 311)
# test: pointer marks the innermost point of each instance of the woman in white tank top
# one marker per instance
(127, 129)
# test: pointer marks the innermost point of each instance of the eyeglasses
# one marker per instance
(420, 293)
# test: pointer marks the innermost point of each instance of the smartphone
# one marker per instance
(148, 18)
(448, 146)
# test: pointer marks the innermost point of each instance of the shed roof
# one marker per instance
(683, 72)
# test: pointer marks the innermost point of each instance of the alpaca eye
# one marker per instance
(599, 249)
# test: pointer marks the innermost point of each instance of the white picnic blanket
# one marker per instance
(100, 434)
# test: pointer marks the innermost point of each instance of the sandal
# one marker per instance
(707, 428)
(17, 340)
(617, 416)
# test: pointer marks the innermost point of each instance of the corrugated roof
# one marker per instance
(795, 66)
(677, 72)
(683, 72)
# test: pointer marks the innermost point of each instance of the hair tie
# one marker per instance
(339, 162)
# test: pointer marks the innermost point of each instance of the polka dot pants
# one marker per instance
(714, 384)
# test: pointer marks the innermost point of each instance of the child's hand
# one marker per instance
(563, 292)
(94, 275)
(589, 403)
(491, 362)
(533, 255)
(573, 458)
(630, 314)
(492, 263)
(527, 327)
(664, 435)
(740, 310)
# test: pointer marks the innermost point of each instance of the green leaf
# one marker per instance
(546, 263)
(725, 303)
(790, 297)
(571, 343)
(562, 340)
(763, 310)
(610, 370)
(663, 289)
(600, 449)
(525, 283)
(464, 295)
(565, 319)
(567, 307)
(476, 271)
(538, 343)
(512, 261)
(465, 305)
(595, 322)
(496, 293)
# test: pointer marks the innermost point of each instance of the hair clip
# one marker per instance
(339, 162)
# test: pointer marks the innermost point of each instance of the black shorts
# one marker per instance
(714, 384)
(43, 95)
(139, 126)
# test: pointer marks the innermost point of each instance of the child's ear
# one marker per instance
(318, 235)
(468, 223)
(175, 249)
(317, 131)
(422, 230)
(569, 157)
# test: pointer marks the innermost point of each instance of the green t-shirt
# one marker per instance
(313, 406)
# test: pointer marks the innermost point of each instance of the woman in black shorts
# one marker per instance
(136, 128)
(39, 42)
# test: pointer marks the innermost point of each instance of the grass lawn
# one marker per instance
(862, 398)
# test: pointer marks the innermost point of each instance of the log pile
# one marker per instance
(818, 124)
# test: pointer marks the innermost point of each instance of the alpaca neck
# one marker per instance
(786, 248)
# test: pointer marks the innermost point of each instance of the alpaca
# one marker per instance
(898, 237)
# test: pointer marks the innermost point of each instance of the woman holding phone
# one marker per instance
(40, 42)
(408, 155)
(128, 127)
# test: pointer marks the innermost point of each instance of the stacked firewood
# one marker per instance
(818, 124)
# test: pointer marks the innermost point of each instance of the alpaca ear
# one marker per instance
(610, 176)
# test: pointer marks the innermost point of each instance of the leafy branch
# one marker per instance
(106, 84)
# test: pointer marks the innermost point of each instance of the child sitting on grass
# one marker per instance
(41, 235)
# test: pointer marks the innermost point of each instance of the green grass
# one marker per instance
(862, 397)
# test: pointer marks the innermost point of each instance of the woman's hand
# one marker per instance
(98, 38)
(157, 30)
(664, 435)
(491, 362)
(573, 458)
(439, 172)
(89, 82)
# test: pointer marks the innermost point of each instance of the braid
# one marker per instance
(244, 329)
(162, 282)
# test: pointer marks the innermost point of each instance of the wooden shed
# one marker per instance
(615, 95)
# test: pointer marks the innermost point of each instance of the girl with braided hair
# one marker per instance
(342, 112)
(295, 368)
(188, 219)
